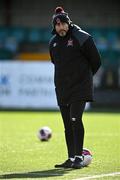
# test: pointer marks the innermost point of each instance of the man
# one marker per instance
(76, 60)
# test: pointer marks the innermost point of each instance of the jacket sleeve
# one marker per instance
(51, 56)
(90, 51)
(50, 49)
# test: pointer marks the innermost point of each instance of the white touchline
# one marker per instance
(98, 176)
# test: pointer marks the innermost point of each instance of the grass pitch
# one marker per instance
(23, 156)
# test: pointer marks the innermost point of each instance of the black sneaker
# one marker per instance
(78, 163)
(67, 164)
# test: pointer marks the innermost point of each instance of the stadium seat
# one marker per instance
(18, 33)
(100, 39)
(35, 35)
(46, 34)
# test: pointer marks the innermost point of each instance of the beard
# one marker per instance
(62, 33)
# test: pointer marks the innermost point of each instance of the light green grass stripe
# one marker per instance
(99, 176)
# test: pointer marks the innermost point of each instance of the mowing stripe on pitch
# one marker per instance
(99, 176)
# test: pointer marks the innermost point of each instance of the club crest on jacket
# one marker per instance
(70, 42)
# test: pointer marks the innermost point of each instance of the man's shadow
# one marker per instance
(36, 174)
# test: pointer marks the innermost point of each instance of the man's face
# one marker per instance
(62, 28)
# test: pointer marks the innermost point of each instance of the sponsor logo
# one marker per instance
(55, 44)
(4, 80)
(4, 85)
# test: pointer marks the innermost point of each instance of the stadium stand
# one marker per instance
(27, 25)
(19, 40)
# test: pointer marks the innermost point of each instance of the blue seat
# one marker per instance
(100, 39)
(46, 34)
(18, 33)
(35, 35)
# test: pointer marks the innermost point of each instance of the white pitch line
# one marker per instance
(99, 176)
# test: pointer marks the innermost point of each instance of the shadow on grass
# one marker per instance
(36, 174)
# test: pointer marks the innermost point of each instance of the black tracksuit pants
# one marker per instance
(74, 129)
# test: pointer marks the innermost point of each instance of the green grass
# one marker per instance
(23, 156)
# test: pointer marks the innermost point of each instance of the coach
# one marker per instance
(76, 59)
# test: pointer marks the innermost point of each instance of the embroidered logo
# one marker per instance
(55, 44)
(73, 119)
(58, 21)
(70, 42)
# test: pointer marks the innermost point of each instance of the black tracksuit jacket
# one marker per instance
(76, 60)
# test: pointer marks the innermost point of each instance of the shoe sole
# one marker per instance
(58, 166)
(77, 167)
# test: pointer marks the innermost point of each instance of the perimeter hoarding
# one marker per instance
(27, 85)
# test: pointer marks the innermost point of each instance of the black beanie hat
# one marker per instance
(60, 16)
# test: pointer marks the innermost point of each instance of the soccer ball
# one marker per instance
(87, 157)
(44, 133)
